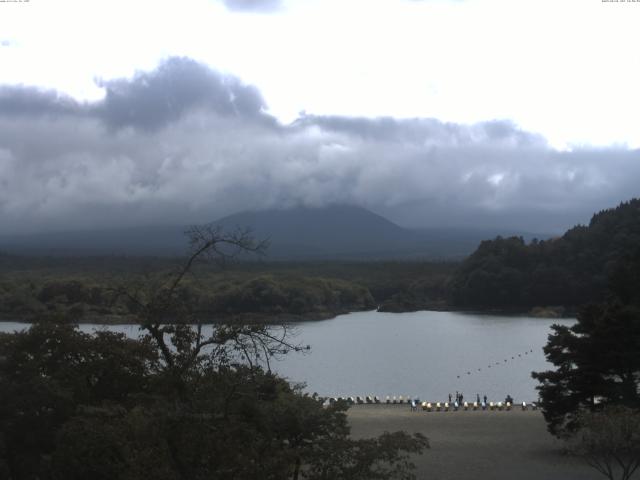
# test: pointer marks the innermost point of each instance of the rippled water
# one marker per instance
(425, 354)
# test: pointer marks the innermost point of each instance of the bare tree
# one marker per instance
(170, 319)
(609, 441)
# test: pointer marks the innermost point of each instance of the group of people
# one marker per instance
(460, 398)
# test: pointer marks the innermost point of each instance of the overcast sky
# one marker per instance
(432, 112)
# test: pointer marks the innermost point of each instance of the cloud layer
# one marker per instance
(253, 5)
(185, 144)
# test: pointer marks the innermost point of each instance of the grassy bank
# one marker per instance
(480, 445)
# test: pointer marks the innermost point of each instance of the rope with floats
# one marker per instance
(497, 364)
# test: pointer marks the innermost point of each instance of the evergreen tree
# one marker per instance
(597, 363)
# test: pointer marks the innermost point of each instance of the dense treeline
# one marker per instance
(571, 270)
(267, 294)
(264, 295)
(82, 289)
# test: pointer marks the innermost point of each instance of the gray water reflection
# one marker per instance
(425, 354)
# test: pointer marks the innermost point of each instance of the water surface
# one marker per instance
(426, 354)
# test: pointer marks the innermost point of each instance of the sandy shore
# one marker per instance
(476, 445)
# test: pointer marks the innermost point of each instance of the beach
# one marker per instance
(476, 445)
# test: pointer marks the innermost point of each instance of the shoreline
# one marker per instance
(287, 318)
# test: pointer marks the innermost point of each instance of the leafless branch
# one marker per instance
(177, 330)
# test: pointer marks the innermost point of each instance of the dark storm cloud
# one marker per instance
(253, 5)
(152, 100)
(184, 144)
(149, 100)
(20, 100)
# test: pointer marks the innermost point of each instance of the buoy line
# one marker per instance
(496, 364)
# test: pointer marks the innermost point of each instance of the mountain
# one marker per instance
(350, 232)
(337, 232)
(334, 231)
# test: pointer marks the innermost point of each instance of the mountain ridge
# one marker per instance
(335, 232)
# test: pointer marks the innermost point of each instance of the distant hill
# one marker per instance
(137, 241)
(582, 266)
(337, 232)
(350, 232)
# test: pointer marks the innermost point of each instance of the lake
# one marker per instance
(426, 354)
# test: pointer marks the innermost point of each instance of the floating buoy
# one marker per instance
(524, 406)
(465, 406)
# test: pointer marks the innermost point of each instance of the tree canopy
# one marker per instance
(597, 360)
(176, 403)
(571, 270)
(597, 364)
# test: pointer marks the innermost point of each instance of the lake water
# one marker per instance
(425, 354)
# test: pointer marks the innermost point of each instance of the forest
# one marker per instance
(567, 271)
(83, 288)
(503, 274)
